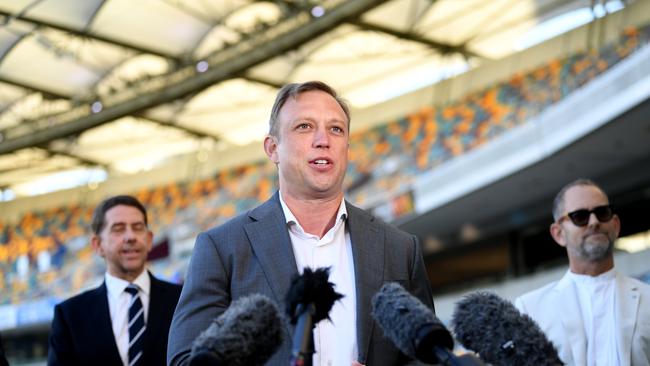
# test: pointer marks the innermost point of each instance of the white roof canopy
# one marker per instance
(126, 85)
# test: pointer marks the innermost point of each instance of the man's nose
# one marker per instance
(129, 235)
(321, 138)
(593, 220)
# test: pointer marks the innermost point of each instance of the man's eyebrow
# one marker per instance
(303, 118)
(118, 223)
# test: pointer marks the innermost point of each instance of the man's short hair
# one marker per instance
(558, 202)
(295, 89)
(99, 215)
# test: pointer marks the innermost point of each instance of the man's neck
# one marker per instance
(315, 216)
(592, 268)
(126, 276)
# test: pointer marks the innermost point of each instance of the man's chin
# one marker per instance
(324, 190)
(598, 250)
(133, 266)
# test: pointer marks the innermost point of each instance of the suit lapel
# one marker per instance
(368, 254)
(103, 332)
(572, 320)
(627, 306)
(271, 244)
(152, 331)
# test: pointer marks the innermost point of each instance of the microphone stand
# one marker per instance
(303, 338)
(432, 345)
(447, 358)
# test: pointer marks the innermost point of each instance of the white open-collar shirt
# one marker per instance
(596, 296)
(335, 341)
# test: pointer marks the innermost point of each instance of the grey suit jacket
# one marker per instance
(556, 309)
(252, 253)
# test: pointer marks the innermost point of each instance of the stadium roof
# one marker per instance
(96, 88)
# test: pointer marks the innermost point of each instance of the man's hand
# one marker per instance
(355, 363)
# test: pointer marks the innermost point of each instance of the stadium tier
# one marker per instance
(45, 256)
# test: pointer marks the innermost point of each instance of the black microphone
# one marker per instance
(249, 332)
(499, 333)
(309, 300)
(414, 329)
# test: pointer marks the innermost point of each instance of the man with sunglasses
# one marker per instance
(593, 315)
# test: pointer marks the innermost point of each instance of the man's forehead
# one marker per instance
(124, 213)
(309, 99)
(584, 196)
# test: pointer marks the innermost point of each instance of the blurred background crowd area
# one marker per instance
(45, 255)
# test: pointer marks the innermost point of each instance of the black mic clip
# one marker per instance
(309, 300)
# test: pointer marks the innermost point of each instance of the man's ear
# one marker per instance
(556, 232)
(271, 148)
(149, 239)
(617, 224)
(96, 243)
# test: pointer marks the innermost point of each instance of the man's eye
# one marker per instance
(303, 126)
(337, 129)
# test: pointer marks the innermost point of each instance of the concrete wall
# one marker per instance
(631, 264)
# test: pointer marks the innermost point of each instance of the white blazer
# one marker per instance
(555, 308)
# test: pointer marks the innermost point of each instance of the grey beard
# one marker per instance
(594, 252)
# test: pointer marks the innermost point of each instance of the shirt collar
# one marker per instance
(342, 213)
(586, 279)
(115, 286)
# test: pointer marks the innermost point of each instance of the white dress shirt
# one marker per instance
(335, 341)
(596, 296)
(118, 306)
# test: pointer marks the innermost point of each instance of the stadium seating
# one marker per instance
(45, 255)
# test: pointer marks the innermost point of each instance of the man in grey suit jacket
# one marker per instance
(306, 224)
(593, 315)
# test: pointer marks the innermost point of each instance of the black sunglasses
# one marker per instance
(581, 217)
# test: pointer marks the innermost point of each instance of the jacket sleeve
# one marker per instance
(204, 297)
(3, 359)
(519, 304)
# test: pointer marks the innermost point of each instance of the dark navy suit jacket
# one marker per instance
(82, 332)
(3, 359)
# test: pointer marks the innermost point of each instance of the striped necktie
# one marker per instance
(136, 326)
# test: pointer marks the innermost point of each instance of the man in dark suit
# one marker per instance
(306, 224)
(125, 321)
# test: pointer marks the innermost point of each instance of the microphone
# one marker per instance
(414, 329)
(249, 332)
(499, 333)
(309, 300)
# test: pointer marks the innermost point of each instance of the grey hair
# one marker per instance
(558, 202)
